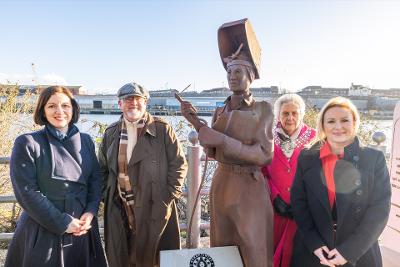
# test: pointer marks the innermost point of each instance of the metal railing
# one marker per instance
(194, 156)
(4, 160)
(194, 153)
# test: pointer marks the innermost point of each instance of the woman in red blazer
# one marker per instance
(290, 136)
(341, 194)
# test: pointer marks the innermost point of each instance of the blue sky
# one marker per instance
(102, 45)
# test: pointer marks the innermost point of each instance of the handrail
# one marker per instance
(193, 174)
(12, 198)
(8, 199)
(183, 226)
(4, 160)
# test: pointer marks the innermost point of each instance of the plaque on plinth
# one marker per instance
(201, 257)
(391, 235)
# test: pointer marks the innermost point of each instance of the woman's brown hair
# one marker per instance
(45, 95)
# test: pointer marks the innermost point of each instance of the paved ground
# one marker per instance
(391, 258)
(3, 253)
(204, 242)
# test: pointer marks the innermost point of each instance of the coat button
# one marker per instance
(358, 209)
(359, 192)
(288, 189)
(288, 170)
(357, 182)
(66, 184)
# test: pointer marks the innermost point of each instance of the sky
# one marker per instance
(101, 45)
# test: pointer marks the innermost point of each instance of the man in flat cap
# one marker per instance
(143, 168)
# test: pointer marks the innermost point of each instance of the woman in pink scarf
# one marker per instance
(290, 136)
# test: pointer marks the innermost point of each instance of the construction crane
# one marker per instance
(35, 78)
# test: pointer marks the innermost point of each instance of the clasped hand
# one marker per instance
(328, 257)
(190, 113)
(282, 208)
(80, 226)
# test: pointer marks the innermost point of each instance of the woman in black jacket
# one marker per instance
(341, 194)
(57, 181)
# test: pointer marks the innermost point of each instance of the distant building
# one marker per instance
(393, 92)
(75, 90)
(318, 91)
(163, 93)
(359, 90)
(265, 91)
(108, 102)
(214, 92)
(353, 91)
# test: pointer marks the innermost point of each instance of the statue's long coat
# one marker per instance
(241, 213)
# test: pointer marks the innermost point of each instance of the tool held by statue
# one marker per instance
(180, 99)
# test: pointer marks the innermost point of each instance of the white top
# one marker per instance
(131, 129)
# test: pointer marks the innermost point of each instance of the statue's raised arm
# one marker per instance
(240, 139)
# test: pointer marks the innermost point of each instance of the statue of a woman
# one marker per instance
(241, 141)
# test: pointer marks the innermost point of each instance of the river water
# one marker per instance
(180, 125)
(87, 121)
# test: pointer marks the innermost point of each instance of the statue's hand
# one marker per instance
(209, 137)
(187, 109)
(190, 114)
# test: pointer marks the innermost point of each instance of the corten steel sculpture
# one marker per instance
(241, 140)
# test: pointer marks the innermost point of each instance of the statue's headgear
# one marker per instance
(237, 41)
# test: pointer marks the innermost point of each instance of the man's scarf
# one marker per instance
(125, 188)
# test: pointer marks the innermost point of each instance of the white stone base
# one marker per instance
(201, 257)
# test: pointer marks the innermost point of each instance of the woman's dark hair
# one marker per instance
(45, 95)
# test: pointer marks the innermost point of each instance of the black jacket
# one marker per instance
(363, 194)
(49, 203)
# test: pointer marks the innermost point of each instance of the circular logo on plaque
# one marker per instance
(201, 260)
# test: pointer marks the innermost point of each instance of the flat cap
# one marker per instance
(132, 89)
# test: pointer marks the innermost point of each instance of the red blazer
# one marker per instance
(280, 173)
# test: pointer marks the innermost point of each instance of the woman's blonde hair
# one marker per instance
(341, 102)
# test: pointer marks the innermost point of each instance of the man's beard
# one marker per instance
(134, 114)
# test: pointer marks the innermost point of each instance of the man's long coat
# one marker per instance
(156, 169)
